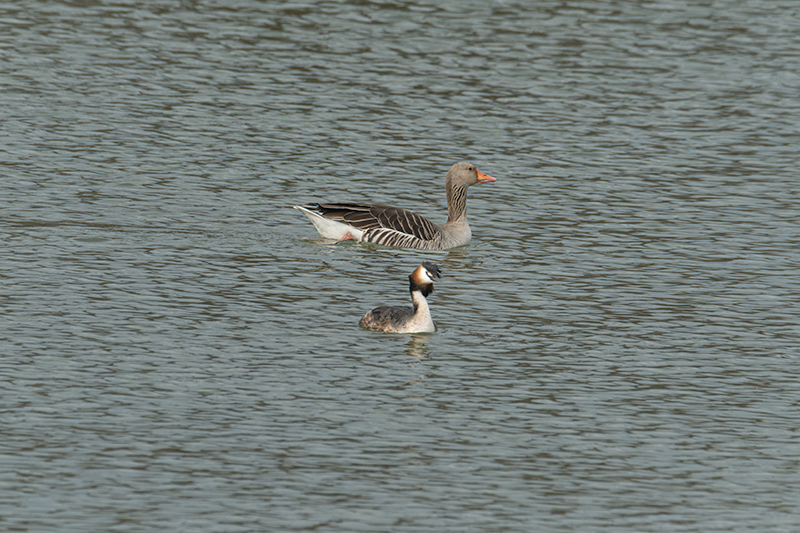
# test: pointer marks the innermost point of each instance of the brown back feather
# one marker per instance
(377, 216)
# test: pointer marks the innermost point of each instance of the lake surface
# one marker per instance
(618, 347)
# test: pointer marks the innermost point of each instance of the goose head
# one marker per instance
(466, 174)
(461, 176)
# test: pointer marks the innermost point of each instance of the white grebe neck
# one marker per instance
(422, 319)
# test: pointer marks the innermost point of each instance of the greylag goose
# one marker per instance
(416, 319)
(393, 226)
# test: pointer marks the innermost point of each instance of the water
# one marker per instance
(618, 345)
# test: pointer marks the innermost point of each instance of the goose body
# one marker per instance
(414, 319)
(394, 226)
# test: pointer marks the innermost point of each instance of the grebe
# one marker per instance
(416, 319)
(393, 226)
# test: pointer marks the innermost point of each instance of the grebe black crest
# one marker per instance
(414, 319)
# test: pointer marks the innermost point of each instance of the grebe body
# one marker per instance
(414, 319)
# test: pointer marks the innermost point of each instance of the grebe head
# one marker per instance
(432, 271)
(423, 277)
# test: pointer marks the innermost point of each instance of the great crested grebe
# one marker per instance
(416, 319)
(393, 226)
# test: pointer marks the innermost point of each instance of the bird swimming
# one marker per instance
(414, 319)
(394, 226)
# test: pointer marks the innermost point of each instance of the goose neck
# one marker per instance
(456, 202)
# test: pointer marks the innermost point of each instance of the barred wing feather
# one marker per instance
(381, 223)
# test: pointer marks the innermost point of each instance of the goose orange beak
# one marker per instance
(484, 178)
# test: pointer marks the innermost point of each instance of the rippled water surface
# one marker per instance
(618, 346)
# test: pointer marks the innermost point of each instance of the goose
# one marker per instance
(415, 319)
(394, 226)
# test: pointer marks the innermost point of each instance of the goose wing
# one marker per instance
(379, 218)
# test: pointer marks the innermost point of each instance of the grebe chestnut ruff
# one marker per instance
(393, 226)
(416, 319)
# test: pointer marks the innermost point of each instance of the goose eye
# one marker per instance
(471, 168)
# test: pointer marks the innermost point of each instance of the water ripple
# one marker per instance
(617, 345)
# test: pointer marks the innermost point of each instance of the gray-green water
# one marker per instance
(618, 346)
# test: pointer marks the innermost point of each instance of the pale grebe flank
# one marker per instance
(393, 226)
(415, 319)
